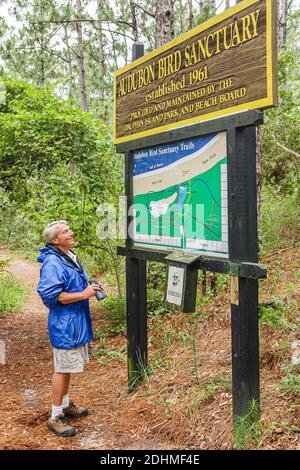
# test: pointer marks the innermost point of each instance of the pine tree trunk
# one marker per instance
(41, 79)
(191, 15)
(201, 7)
(112, 34)
(134, 21)
(282, 24)
(69, 60)
(82, 81)
(40, 36)
(213, 7)
(227, 4)
(164, 18)
(102, 67)
(181, 17)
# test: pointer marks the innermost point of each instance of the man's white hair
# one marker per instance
(52, 230)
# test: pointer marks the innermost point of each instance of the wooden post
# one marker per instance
(136, 285)
(136, 305)
(243, 246)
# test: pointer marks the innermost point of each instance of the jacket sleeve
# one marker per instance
(52, 282)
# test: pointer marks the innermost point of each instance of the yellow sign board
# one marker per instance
(223, 66)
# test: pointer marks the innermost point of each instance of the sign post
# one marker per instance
(186, 118)
(136, 286)
(243, 246)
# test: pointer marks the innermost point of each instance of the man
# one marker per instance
(64, 289)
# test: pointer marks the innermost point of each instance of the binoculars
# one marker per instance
(100, 294)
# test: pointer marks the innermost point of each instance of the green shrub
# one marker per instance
(290, 384)
(155, 303)
(156, 281)
(280, 220)
(3, 264)
(247, 428)
(12, 294)
(156, 275)
(115, 308)
(275, 317)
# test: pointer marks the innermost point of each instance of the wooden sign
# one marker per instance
(223, 66)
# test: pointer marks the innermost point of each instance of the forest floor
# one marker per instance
(185, 403)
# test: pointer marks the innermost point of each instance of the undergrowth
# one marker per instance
(12, 294)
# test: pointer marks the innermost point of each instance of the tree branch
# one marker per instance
(283, 147)
(82, 20)
(116, 32)
(150, 13)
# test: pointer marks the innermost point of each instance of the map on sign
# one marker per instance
(180, 196)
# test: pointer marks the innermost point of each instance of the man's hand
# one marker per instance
(90, 291)
(71, 297)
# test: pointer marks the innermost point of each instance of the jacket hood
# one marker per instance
(44, 252)
(53, 250)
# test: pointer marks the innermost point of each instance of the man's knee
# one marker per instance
(62, 376)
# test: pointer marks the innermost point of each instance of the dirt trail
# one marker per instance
(175, 409)
(25, 393)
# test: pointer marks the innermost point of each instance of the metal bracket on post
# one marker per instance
(234, 269)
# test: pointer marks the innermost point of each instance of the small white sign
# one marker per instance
(2, 353)
(175, 285)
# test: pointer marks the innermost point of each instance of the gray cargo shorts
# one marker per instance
(70, 360)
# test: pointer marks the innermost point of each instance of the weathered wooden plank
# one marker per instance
(250, 118)
(223, 266)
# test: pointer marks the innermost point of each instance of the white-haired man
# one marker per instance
(65, 290)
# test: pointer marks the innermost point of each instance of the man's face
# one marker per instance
(64, 238)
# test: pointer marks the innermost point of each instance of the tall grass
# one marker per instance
(12, 294)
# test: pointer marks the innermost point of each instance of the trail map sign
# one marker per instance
(223, 66)
(190, 179)
(180, 195)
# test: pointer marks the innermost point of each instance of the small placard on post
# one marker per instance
(182, 278)
(175, 285)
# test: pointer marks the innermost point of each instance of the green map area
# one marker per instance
(188, 215)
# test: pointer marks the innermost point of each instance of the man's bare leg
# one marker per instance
(60, 386)
(67, 384)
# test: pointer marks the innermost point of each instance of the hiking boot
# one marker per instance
(73, 411)
(60, 427)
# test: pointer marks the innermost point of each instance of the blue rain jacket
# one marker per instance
(70, 326)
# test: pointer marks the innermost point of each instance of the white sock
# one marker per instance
(65, 401)
(56, 411)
